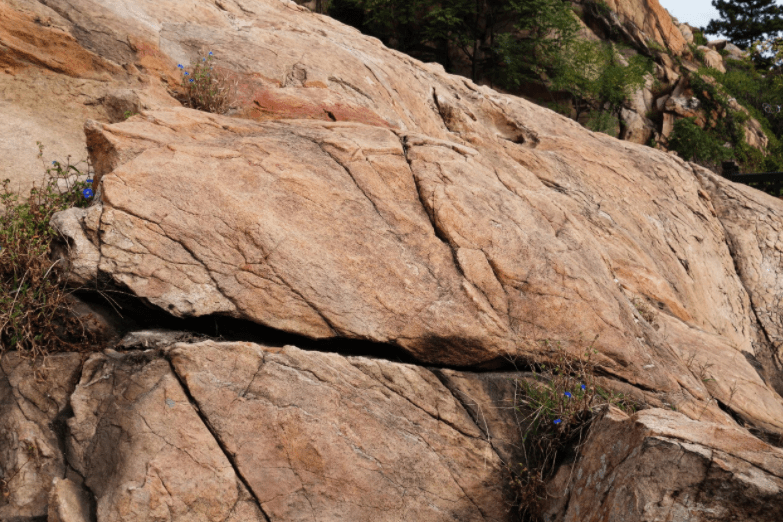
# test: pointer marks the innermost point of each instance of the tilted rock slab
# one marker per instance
(660, 465)
(320, 436)
(343, 229)
(229, 427)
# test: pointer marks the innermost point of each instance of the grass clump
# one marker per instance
(34, 311)
(206, 90)
(559, 406)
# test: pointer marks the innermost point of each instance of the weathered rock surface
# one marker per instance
(69, 502)
(712, 58)
(356, 193)
(620, 476)
(143, 450)
(321, 436)
(466, 223)
(32, 396)
(648, 20)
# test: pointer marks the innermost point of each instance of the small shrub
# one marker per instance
(644, 310)
(206, 91)
(602, 8)
(602, 121)
(695, 144)
(34, 316)
(698, 38)
(697, 53)
(560, 403)
(655, 46)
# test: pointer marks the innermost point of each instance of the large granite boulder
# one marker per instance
(354, 193)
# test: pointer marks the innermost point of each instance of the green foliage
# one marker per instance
(751, 90)
(698, 38)
(34, 316)
(745, 21)
(592, 71)
(551, 28)
(655, 46)
(558, 407)
(602, 8)
(602, 121)
(695, 144)
(697, 53)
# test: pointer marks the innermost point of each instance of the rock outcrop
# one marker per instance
(355, 194)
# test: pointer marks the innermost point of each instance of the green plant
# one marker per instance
(655, 46)
(128, 114)
(698, 38)
(206, 91)
(594, 75)
(695, 144)
(697, 53)
(602, 121)
(602, 8)
(559, 404)
(34, 310)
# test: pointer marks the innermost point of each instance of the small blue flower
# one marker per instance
(54, 163)
(186, 73)
(191, 80)
(180, 66)
(203, 59)
(88, 181)
(87, 193)
(583, 386)
(210, 53)
(558, 421)
(567, 394)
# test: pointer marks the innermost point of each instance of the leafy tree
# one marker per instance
(745, 21)
(548, 28)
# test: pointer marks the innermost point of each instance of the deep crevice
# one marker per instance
(215, 436)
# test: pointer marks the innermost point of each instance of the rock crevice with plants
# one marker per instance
(325, 280)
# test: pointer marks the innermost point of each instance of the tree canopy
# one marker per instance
(745, 21)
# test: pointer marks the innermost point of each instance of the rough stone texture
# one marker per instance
(354, 192)
(326, 437)
(686, 32)
(712, 472)
(463, 223)
(735, 51)
(69, 502)
(143, 450)
(712, 58)
(31, 397)
(752, 220)
(648, 20)
(636, 129)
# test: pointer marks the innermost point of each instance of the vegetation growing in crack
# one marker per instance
(554, 413)
(36, 312)
(34, 306)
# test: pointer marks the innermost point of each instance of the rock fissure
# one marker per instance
(435, 417)
(205, 420)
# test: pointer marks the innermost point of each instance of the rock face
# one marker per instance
(708, 463)
(353, 193)
(712, 58)
(32, 397)
(646, 19)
